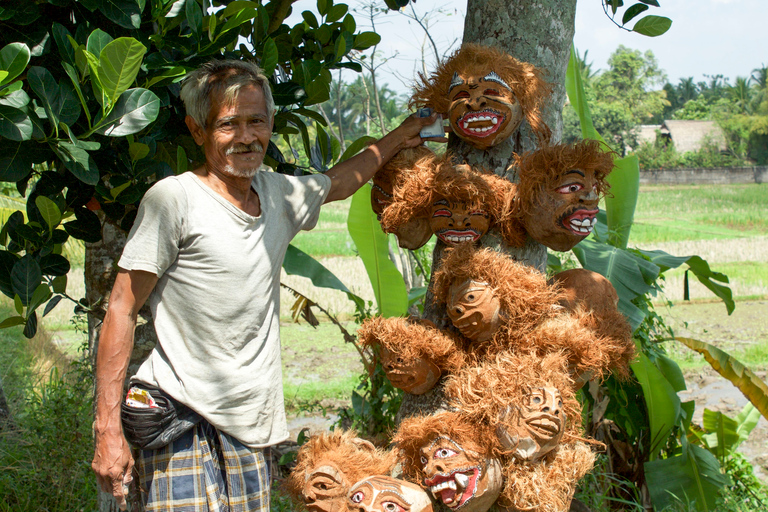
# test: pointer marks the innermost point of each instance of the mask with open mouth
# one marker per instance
(387, 494)
(454, 222)
(539, 424)
(559, 191)
(460, 479)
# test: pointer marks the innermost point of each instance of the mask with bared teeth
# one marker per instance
(536, 426)
(486, 94)
(559, 191)
(452, 458)
(388, 494)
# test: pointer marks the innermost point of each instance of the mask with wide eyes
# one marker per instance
(444, 453)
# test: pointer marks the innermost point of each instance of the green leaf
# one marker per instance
(340, 48)
(137, 151)
(632, 12)
(15, 124)
(66, 50)
(15, 160)
(194, 17)
(46, 88)
(323, 5)
(181, 160)
(25, 278)
(350, 25)
(691, 477)
(126, 13)
(86, 227)
(747, 420)
(356, 147)
(50, 212)
(621, 202)
(299, 263)
(723, 437)
(12, 321)
(14, 58)
(652, 26)
(167, 76)
(7, 261)
(59, 284)
(729, 367)
(630, 274)
(310, 19)
(318, 91)
(51, 304)
(365, 40)
(31, 327)
(54, 265)
(41, 294)
(372, 244)
(133, 112)
(97, 41)
(655, 3)
(79, 162)
(119, 63)
(336, 13)
(269, 57)
(661, 400)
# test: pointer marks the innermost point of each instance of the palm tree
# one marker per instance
(687, 90)
(739, 94)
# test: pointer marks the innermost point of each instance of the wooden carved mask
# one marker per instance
(474, 309)
(483, 109)
(326, 489)
(455, 222)
(534, 427)
(460, 479)
(387, 494)
(416, 376)
(562, 217)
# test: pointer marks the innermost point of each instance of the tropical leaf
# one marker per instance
(373, 247)
(652, 26)
(299, 263)
(132, 113)
(661, 400)
(119, 63)
(693, 477)
(14, 58)
(726, 365)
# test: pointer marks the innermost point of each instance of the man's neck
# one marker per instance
(237, 190)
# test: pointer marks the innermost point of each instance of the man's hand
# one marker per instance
(410, 128)
(113, 464)
(350, 175)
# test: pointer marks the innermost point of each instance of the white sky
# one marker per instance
(728, 37)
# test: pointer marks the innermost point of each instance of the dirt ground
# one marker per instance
(709, 322)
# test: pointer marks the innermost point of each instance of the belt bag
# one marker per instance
(150, 428)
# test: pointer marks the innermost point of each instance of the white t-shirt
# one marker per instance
(216, 304)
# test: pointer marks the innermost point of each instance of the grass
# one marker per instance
(695, 212)
(330, 237)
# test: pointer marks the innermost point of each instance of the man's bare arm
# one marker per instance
(348, 176)
(112, 460)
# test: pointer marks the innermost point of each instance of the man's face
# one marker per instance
(562, 217)
(236, 134)
(539, 426)
(325, 489)
(474, 309)
(483, 109)
(387, 494)
(460, 479)
(415, 376)
(454, 223)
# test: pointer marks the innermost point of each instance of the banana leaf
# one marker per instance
(664, 411)
(299, 263)
(372, 244)
(726, 365)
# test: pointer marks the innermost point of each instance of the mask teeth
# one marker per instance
(462, 480)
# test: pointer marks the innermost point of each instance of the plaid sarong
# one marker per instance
(205, 470)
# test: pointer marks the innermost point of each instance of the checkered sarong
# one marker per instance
(205, 470)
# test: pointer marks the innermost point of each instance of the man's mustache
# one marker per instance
(253, 147)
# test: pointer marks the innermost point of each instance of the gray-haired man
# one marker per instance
(206, 250)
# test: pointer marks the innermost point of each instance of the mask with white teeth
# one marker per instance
(455, 222)
(460, 479)
(483, 109)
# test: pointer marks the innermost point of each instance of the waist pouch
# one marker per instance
(150, 428)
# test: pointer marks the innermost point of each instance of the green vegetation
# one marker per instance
(330, 237)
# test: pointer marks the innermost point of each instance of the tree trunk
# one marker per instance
(100, 272)
(535, 31)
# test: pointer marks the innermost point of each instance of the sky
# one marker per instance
(707, 37)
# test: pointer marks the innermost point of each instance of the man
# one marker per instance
(206, 249)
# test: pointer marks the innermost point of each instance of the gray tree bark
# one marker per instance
(535, 31)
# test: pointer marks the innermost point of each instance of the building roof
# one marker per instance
(647, 133)
(691, 135)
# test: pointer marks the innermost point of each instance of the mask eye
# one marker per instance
(423, 460)
(461, 95)
(491, 92)
(536, 400)
(358, 497)
(390, 506)
(571, 188)
(444, 453)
